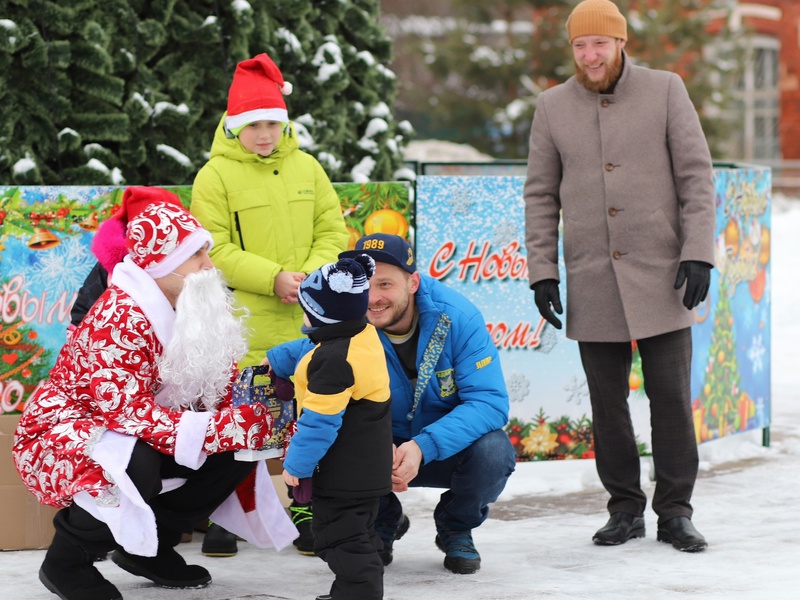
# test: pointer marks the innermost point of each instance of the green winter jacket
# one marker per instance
(267, 214)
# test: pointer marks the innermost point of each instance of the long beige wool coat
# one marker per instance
(632, 174)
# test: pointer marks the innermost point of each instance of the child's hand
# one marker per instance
(286, 284)
(290, 480)
(284, 388)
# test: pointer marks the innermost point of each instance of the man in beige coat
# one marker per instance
(619, 151)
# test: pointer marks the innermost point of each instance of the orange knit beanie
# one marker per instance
(597, 17)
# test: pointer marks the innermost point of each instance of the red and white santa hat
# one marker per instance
(154, 229)
(256, 94)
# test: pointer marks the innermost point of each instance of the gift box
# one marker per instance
(247, 390)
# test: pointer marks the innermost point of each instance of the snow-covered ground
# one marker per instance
(537, 541)
(438, 150)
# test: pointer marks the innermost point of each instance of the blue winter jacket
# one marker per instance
(460, 393)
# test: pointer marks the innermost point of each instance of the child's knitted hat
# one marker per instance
(337, 291)
(256, 94)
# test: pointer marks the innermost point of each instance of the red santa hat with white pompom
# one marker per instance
(256, 94)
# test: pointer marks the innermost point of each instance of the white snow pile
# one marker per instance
(442, 151)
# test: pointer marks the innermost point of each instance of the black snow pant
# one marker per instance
(176, 511)
(345, 538)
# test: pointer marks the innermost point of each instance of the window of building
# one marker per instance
(755, 111)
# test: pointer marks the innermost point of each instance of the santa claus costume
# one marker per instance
(134, 456)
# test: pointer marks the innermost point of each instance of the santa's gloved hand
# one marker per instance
(245, 427)
(284, 388)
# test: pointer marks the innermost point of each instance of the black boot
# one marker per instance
(68, 571)
(167, 568)
(390, 525)
(301, 518)
(218, 541)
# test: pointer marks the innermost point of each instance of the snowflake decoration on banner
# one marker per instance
(747, 319)
(13, 262)
(756, 353)
(547, 340)
(504, 233)
(49, 270)
(577, 390)
(518, 387)
(461, 201)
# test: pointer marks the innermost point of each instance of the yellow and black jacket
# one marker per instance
(344, 431)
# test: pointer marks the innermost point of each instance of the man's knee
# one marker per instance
(495, 452)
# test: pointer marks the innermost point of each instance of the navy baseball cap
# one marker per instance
(385, 248)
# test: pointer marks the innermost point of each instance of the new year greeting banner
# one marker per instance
(470, 235)
(45, 255)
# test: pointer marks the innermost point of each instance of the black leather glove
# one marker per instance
(697, 276)
(545, 293)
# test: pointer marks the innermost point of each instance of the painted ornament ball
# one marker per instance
(388, 221)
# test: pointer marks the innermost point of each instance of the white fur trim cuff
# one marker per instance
(261, 114)
(190, 439)
(196, 240)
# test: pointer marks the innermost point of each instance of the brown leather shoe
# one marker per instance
(680, 532)
(620, 528)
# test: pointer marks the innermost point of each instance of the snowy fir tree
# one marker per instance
(465, 70)
(471, 72)
(130, 92)
(692, 39)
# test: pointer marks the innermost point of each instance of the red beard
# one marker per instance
(613, 71)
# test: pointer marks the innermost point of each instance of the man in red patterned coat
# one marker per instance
(133, 435)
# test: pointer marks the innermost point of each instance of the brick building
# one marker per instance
(769, 92)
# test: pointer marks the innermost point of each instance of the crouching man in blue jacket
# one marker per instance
(449, 399)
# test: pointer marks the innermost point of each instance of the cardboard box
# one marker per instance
(27, 525)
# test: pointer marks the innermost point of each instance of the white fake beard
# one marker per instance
(208, 340)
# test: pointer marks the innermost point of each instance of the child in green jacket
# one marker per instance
(274, 217)
(270, 207)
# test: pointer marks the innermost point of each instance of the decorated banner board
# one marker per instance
(470, 235)
(45, 236)
(493, 168)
